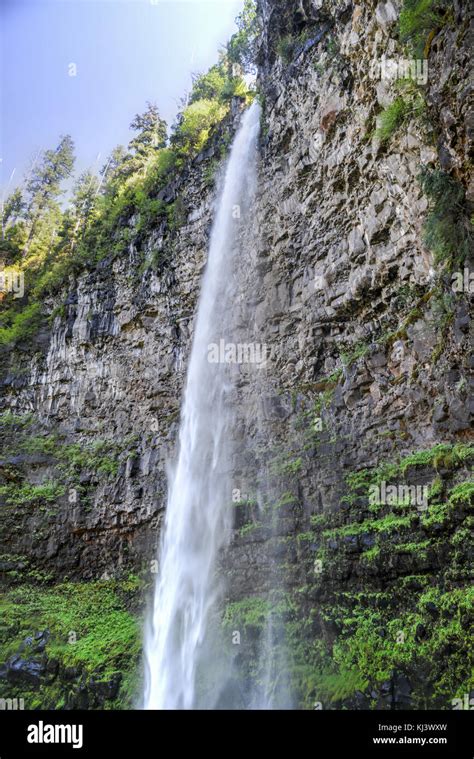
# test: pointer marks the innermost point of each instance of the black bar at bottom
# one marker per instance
(142, 733)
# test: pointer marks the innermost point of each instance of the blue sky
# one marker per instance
(125, 53)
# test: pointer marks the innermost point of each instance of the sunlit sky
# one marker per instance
(123, 53)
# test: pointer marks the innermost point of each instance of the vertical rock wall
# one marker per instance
(367, 384)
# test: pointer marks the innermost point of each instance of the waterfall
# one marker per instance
(198, 516)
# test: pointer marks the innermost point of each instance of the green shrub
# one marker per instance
(17, 495)
(150, 211)
(20, 325)
(442, 455)
(335, 686)
(388, 523)
(107, 635)
(209, 86)
(159, 171)
(446, 231)
(462, 493)
(8, 419)
(391, 118)
(197, 121)
(100, 456)
(252, 611)
(242, 47)
(411, 104)
(248, 528)
(285, 465)
(417, 19)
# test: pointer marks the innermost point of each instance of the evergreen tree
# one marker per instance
(151, 134)
(112, 172)
(44, 185)
(150, 138)
(11, 210)
(84, 197)
(80, 213)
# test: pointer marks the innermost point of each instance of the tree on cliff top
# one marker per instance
(123, 163)
(242, 47)
(43, 187)
(151, 136)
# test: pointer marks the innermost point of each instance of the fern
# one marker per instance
(417, 19)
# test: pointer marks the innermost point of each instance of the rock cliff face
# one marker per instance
(366, 389)
(370, 364)
(112, 369)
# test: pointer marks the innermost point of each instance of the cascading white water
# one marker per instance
(198, 518)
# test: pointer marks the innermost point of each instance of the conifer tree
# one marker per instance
(43, 187)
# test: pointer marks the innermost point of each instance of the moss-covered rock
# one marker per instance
(72, 645)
